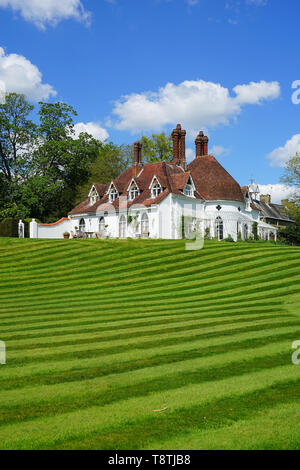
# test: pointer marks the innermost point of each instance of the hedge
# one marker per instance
(9, 228)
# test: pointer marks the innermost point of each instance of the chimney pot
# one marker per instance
(137, 156)
(201, 145)
(178, 137)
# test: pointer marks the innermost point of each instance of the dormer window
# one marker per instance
(93, 196)
(133, 192)
(189, 189)
(156, 189)
(113, 194)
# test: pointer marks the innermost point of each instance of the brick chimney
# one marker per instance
(265, 198)
(137, 156)
(178, 137)
(201, 145)
(137, 153)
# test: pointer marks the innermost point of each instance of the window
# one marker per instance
(133, 192)
(189, 190)
(101, 225)
(219, 228)
(82, 225)
(245, 232)
(145, 224)
(122, 226)
(93, 197)
(156, 189)
(113, 194)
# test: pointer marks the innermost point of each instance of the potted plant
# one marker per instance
(66, 235)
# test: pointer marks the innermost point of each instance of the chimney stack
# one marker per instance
(137, 157)
(201, 145)
(265, 198)
(178, 137)
(137, 153)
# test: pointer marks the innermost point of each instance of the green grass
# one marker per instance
(101, 332)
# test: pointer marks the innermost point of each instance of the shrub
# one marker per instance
(9, 228)
(207, 233)
(229, 238)
(255, 231)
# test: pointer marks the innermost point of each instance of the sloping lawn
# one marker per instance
(99, 333)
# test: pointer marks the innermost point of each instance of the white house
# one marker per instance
(161, 200)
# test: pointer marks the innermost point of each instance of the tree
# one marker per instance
(291, 174)
(41, 164)
(157, 148)
(111, 161)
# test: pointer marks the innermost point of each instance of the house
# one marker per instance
(269, 212)
(169, 200)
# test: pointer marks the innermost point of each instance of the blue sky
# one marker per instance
(140, 66)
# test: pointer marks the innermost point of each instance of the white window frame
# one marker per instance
(101, 225)
(122, 226)
(189, 189)
(156, 188)
(219, 227)
(82, 226)
(145, 223)
(112, 193)
(133, 191)
(93, 195)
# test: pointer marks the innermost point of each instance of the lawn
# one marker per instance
(100, 333)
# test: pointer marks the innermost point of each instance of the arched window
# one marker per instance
(156, 189)
(113, 194)
(219, 228)
(145, 225)
(133, 192)
(82, 225)
(122, 226)
(101, 225)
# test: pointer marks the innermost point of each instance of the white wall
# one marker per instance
(56, 230)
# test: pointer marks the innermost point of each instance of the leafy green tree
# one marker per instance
(41, 164)
(291, 176)
(111, 161)
(157, 148)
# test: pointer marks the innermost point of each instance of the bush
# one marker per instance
(207, 233)
(290, 235)
(255, 231)
(9, 228)
(229, 238)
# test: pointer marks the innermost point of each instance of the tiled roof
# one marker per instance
(273, 211)
(211, 180)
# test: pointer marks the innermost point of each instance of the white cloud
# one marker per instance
(281, 155)
(19, 75)
(277, 191)
(44, 12)
(219, 151)
(195, 103)
(91, 128)
(256, 92)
